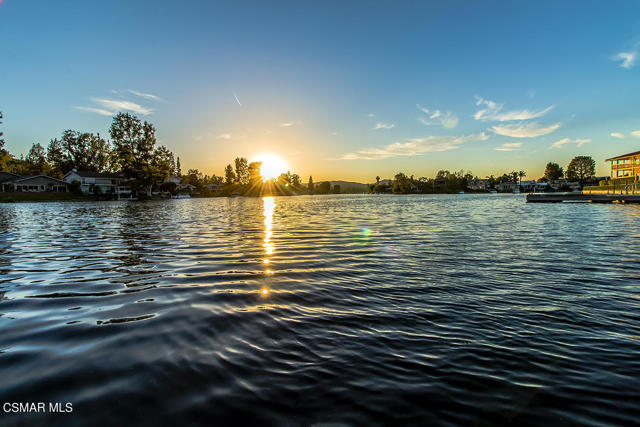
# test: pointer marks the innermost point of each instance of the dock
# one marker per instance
(581, 197)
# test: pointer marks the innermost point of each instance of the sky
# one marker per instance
(340, 90)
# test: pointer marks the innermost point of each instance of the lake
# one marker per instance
(356, 309)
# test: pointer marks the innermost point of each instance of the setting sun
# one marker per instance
(272, 166)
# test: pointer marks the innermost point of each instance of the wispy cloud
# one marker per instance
(145, 95)
(122, 105)
(286, 124)
(224, 136)
(381, 125)
(636, 133)
(415, 147)
(528, 130)
(617, 135)
(448, 120)
(627, 59)
(371, 115)
(100, 111)
(492, 111)
(509, 146)
(564, 141)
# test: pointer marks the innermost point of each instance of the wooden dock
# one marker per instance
(580, 197)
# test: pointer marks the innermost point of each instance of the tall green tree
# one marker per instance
(242, 170)
(178, 168)
(553, 171)
(229, 176)
(521, 174)
(254, 173)
(83, 151)
(401, 183)
(37, 160)
(1, 134)
(581, 168)
(134, 143)
(310, 184)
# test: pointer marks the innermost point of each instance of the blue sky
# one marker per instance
(341, 90)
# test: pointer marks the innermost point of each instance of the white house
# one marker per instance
(103, 182)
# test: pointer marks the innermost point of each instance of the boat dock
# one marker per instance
(581, 197)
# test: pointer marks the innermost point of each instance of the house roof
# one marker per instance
(92, 174)
(26, 178)
(623, 156)
(8, 176)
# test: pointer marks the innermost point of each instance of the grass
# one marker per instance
(40, 197)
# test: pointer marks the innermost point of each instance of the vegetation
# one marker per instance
(581, 169)
(553, 171)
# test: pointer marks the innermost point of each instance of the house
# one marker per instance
(558, 184)
(214, 187)
(5, 178)
(625, 166)
(173, 180)
(506, 186)
(478, 184)
(35, 184)
(527, 185)
(99, 182)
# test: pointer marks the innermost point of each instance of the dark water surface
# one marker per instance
(463, 309)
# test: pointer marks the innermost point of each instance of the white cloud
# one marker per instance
(286, 124)
(564, 141)
(636, 133)
(529, 130)
(224, 136)
(100, 111)
(627, 59)
(146, 95)
(492, 111)
(415, 147)
(617, 135)
(509, 146)
(448, 120)
(117, 105)
(371, 115)
(381, 125)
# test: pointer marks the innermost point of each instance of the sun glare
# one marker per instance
(272, 166)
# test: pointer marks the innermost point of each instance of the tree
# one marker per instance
(324, 188)
(37, 160)
(521, 174)
(377, 180)
(83, 151)
(254, 173)
(295, 180)
(581, 168)
(229, 176)
(310, 185)
(553, 171)
(1, 134)
(336, 189)
(57, 158)
(178, 168)
(514, 175)
(401, 183)
(134, 144)
(161, 163)
(242, 170)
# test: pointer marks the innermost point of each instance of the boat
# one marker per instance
(493, 191)
(462, 192)
(129, 197)
(181, 196)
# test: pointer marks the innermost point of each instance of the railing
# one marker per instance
(613, 189)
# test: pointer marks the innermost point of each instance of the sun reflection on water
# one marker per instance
(269, 247)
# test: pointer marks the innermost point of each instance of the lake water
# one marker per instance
(357, 309)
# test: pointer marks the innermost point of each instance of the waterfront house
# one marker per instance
(478, 184)
(625, 166)
(506, 186)
(99, 182)
(34, 184)
(5, 178)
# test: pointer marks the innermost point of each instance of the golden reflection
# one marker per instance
(269, 247)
